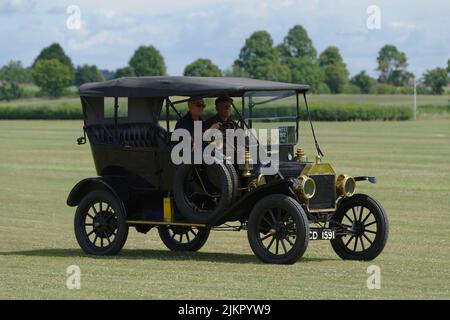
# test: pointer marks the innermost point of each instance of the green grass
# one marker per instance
(382, 99)
(40, 163)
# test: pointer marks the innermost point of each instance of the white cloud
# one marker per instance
(16, 6)
(98, 43)
(403, 25)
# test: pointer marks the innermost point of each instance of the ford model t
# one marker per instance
(128, 124)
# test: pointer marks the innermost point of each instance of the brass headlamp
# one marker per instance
(304, 187)
(345, 185)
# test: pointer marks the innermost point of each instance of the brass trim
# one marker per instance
(317, 169)
(246, 173)
(255, 183)
(300, 155)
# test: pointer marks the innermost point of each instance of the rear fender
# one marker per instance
(88, 185)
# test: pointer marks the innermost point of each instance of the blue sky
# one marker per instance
(189, 29)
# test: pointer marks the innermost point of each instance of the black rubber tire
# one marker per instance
(194, 244)
(379, 219)
(289, 205)
(119, 215)
(235, 181)
(191, 212)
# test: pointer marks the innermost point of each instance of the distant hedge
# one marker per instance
(41, 112)
(320, 111)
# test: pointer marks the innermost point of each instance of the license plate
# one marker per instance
(321, 234)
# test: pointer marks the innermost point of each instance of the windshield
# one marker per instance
(273, 110)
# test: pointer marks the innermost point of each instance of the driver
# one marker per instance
(222, 119)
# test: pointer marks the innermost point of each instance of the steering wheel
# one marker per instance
(226, 125)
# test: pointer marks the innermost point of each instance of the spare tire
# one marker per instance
(235, 181)
(202, 192)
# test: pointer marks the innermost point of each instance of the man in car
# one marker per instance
(222, 119)
(196, 106)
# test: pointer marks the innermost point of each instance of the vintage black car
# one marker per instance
(127, 122)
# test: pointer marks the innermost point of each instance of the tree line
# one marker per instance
(294, 60)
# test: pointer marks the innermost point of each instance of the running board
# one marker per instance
(164, 223)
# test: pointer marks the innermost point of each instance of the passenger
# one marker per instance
(222, 119)
(196, 106)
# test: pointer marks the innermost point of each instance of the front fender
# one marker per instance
(366, 178)
(96, 183)
(245, 204)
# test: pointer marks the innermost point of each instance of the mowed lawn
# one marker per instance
(40, 162)
(382, 99)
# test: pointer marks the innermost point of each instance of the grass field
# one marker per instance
(382, 99)
(40, 162)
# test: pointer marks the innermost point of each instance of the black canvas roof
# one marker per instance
(182, 86)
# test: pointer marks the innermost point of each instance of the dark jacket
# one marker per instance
(187, 123)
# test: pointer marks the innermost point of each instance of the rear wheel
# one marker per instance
(100, 224)
(181, 238)
(278, 230)
(366, 228)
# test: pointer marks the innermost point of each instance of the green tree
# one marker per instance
(436, 79)
(304, 70)
(336, 77)
(148, 61)
(334, 68)
(297, 44)
(392, 65)
(299, 55)
(258, 59)
(364, 82)
(10, 90)
(52, 76)
(54, 51)
(202, 68)
(15, 72)
(448, 66)
(124, 72)
(330, 55)
(87, 73)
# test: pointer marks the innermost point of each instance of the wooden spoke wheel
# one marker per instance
(366, 226)
(278, 230)
(100, 224)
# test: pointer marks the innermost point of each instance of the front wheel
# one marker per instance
(183, 238)
(278, 230)
(364, 228)
(100, 224)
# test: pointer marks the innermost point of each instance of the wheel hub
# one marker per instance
(104, 224)
(281, 231)
(358, 228)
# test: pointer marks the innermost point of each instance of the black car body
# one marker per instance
(127, 122)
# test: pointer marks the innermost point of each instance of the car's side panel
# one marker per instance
(148, 163)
